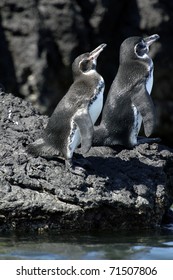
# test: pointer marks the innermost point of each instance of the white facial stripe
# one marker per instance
(142, 56)
(80, 63)
(94, 62)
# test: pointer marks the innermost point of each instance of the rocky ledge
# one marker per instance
(125, 189)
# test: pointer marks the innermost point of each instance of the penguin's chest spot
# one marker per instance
(96, 103)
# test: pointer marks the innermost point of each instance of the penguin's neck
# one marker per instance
(90, 72)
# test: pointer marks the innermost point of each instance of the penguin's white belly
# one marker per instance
(96, 106)
(137, 116)
(74, 140)
(136, 125)
(94, 111)
(149, 83)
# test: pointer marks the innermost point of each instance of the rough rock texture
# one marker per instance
(40, 39)
(126, 189)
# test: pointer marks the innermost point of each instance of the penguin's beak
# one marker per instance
(95, 53)
(151, 39)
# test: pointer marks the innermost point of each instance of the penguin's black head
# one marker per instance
(87, 61)
(136, 47)
(142, 47)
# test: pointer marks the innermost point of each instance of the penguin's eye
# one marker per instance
(84, 65)
(141, 49)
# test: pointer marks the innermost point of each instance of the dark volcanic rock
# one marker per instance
(40, 39)
(126, 189)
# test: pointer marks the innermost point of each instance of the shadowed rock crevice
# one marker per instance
(124, 189)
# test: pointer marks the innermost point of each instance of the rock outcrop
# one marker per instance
(40, 39)
(124, 189)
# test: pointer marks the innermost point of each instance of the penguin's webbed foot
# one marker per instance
(143, 140)
(83, 162)
(75, 169)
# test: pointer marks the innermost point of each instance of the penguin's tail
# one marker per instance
(99, 136)
(41, 148)
(37, 148)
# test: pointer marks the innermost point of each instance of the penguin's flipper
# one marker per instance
(144, 104)
(84, 122)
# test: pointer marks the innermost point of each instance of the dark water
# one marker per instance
(148, 245)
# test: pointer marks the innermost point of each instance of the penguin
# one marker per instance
(72, 121)
(128, 101)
